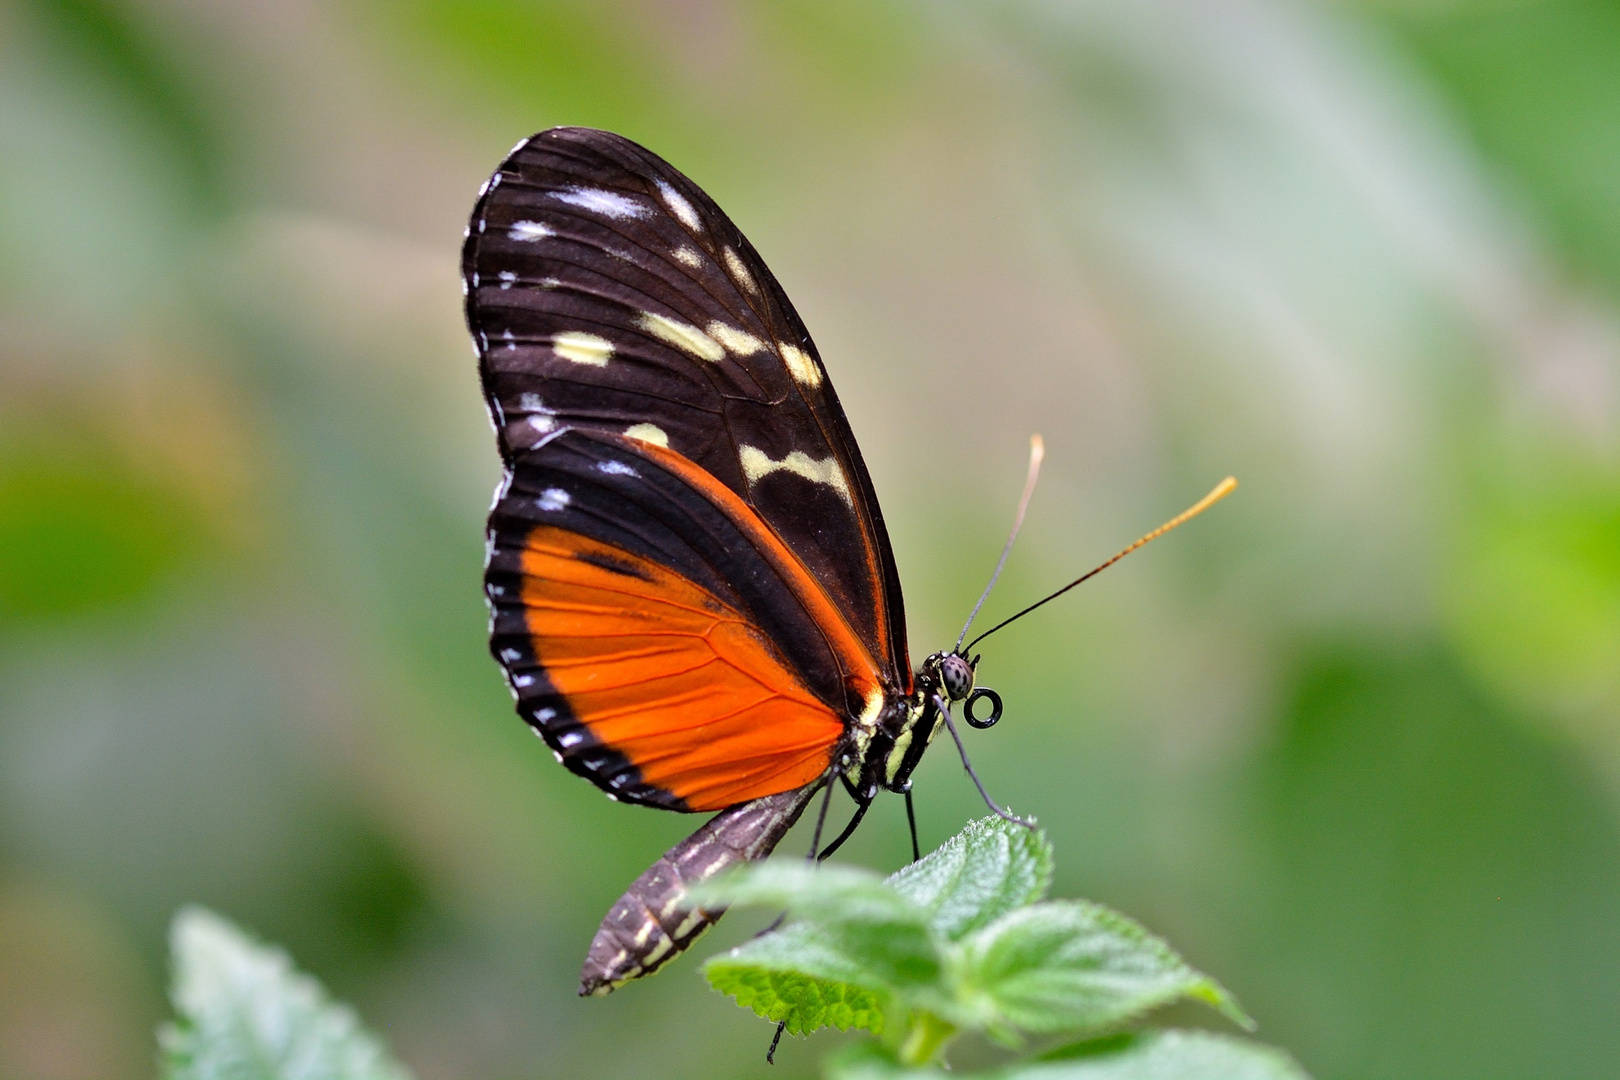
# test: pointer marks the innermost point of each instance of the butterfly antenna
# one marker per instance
(1219, 492)
(1037, 451)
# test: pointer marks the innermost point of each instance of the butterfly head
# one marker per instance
(946, 676)
(956, 675)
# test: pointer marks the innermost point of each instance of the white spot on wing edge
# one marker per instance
(679, 206)
(607, 203)
(528, 230)
(738, 341)
(739, 272)
(650, 433)
(500, 493)
(615, 468)
(800, 366)
(683, 336)
(582, 348)
(757, 465)
(689, 256)
(553, 499)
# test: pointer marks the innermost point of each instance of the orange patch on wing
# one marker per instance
(853, 656)
(665, 673)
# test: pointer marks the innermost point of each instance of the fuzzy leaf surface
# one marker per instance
(795, 975)
(988, 869)
(1075, 966)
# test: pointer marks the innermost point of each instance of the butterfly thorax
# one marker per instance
(908, 725)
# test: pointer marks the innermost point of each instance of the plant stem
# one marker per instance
(926, 1040)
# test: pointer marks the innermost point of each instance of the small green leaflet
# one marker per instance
(245, 1013)
(961, 937)
(1071, 965)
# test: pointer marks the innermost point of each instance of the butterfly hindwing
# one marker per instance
(665, 644)
(608, 293)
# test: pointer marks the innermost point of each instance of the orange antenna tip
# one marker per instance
(1216, 494)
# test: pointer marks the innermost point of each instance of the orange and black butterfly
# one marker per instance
(690, 584)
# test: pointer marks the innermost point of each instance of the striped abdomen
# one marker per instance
(650, 924)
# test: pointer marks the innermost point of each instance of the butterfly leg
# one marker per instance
(838, 841)
(821, 820)
(911, 820)
(849, 829)
(1006, 815)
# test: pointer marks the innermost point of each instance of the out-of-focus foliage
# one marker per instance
(1351, 740)
(245, 1013)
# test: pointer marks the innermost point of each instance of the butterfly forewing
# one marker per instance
(608, 294)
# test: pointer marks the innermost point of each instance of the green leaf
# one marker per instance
(980, 874)
(1071, 965)
(247, 1014)
(1152, 1055)
(797, 976)
(1162, 1055)
(822, 894)
(881, 938)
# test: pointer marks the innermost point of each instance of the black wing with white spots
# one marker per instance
(607, 292)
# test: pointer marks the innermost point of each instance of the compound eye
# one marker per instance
(995, 708)
(956, 676)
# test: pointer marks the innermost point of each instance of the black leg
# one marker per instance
(911, 819)
(821, 819)
(860, 812)
(966, 764)
(815, 844)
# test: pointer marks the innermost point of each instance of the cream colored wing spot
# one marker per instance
(528, 230)
(874, 705)
(688, 256)
(757, 465)
(804, 370)
(739, 272)
(582, 348)
(683, 336)
(679, 206)
(740, 342)
(649, 433)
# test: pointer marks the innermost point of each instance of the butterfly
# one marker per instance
(691, 588)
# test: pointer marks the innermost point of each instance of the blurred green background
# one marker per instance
(1351, 741)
